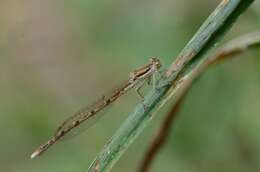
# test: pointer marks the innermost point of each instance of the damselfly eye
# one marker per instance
(155, 62)
(158, 65)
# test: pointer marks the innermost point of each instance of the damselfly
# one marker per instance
(135, 80)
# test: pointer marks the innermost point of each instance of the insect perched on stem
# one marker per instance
(136, 79)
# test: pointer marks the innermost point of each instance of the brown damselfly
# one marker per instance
(135, 80)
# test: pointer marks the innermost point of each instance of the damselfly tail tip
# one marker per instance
(35, 153)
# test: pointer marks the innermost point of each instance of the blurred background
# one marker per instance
(58, 56)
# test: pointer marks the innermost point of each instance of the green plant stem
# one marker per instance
(215, 26)
(229, 50)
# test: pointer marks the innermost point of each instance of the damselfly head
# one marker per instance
(155, 62)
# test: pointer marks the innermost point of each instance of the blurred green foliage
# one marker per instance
(57, 56)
